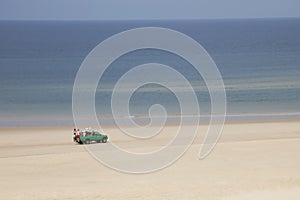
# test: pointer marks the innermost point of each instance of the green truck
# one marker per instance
(90, 136)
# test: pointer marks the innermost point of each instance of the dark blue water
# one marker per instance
(259, 61)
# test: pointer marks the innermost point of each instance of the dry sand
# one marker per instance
(251, 161)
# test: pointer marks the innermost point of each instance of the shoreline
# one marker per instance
(173, 120)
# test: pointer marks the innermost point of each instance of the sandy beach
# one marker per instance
(257, 160)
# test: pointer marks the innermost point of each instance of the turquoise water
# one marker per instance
(259, 61)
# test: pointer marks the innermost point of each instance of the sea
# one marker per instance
(258, 59)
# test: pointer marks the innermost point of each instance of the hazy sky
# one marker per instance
(145, 9)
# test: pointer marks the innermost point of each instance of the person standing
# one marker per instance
(74, 134)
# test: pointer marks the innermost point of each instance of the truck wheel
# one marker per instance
(78, 141)
(104, 140)
(87, 142)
